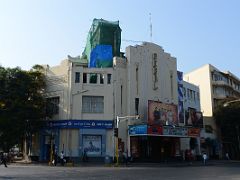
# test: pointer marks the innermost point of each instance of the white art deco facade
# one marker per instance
(87, 101)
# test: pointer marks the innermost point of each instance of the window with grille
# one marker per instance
(77, 77)
(109, 76)
(93, 104)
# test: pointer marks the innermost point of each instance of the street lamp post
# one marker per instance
(117, 146)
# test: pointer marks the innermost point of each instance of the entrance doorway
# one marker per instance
(153, 148)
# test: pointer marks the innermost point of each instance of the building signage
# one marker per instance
(89, 124)
(175, 131)
(138, 129)
(194, 132)
(162, 114)
(155, 129)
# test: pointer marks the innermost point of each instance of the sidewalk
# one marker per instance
(142, 164)
(184, 163)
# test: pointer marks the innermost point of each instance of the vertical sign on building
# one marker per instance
(180, 97)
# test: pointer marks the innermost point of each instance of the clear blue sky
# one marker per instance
(195, 32)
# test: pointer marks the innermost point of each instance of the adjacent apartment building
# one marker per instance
(215, 87)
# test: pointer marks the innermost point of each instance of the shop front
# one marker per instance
(157, 143)
(74, 138)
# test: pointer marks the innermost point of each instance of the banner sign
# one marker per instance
(180, 97)
(79, 124)
(138, 129)
(161, 113)
(175, 131)
(155, 129)
(194, 132)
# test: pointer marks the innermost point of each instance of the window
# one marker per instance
(136, 106)
(184, 92)
(52, 105)
(171, 80)
(121, 97)
(93, 104)
(109, 76)
(93, 78)
(101, 79)
(198, 98)
(188, 93)
(137, 79)
(77, 77)
(84, 77)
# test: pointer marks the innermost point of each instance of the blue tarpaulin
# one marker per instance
(101, 56)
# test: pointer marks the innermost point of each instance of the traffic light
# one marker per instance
(116, 132)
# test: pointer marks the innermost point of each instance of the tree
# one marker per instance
(22, 104)
(228, 120)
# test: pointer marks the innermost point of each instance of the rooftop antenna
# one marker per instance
(150, 19)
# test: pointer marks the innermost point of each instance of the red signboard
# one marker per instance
(155, 129)
(194, 132)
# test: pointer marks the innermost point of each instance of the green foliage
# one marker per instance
(228, 119)
(22, 105)
(228, 115)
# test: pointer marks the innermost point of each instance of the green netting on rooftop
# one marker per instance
(103, 32)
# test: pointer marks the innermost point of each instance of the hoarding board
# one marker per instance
(194, 118)
(161, 113)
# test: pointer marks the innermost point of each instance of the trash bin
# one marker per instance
(108, 159)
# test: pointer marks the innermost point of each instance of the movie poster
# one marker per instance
(161, 113)
(194, 118)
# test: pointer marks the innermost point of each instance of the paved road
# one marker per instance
(33, 172)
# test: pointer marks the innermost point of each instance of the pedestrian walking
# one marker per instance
(227, 156)
(62, 160)
(3, 158)
(85, 158)
(204, 158)
(55, 158)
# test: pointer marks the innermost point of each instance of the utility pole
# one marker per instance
(118, 119)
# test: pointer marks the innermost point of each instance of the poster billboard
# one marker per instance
(161, 113)
(92, 144)
(194, 118)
